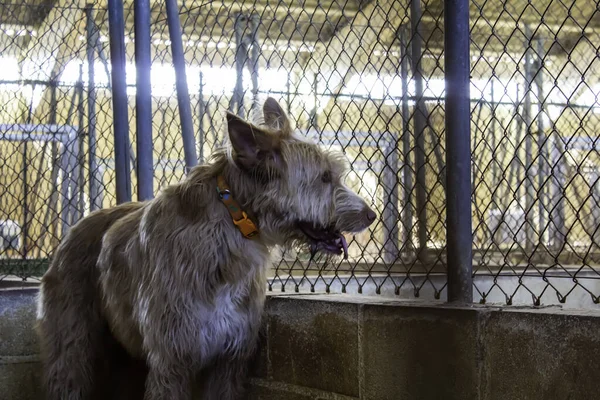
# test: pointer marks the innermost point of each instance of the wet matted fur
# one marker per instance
(169, 288)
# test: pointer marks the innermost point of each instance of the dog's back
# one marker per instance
(74, 336)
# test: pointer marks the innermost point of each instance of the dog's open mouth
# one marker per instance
(326, 239)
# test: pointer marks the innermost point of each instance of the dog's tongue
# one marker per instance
(341, 240)
(337, 245)
(325, 239)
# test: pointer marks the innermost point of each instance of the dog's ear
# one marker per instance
(251, 144)
(275, 117)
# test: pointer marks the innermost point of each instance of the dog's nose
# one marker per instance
(370, 215)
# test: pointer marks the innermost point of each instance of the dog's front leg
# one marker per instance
(225, 379)
(168, 382)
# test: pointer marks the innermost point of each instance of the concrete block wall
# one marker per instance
(20, 372)
(337, 347)
(343, 347)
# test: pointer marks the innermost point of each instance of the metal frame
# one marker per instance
(92, 40)
(183, 96)
(143, 101)
(119, 100)
(67, 136)
(420, 123)
(459, 237)
(247, 52)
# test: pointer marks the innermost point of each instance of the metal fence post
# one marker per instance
(542, 146)
(241, 55)
(420, 121)
(143, 101)
(254, 55)
(458, 151)
(92, 37)
(529, 183)
(391, 214)
(408, 167)
(201, 114)
(183, 95)
(80, 150)
(119, 100)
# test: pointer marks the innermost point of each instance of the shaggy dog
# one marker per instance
(177, 284)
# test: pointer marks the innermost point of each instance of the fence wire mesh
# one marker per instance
(362, 77)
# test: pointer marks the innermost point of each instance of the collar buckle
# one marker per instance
(246, 226)
(239, 217)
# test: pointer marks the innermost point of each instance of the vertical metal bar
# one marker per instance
(69, 162)
(439, 158)
(73, 173)
(64, 186)
(211, 121)
(75, 152)
(119, 100)
(92, 38)
(390, 197)
(493, 136)
(542, 146)
(163, 141)
(458, 151)
(288, 88)
(527, 122)
(558, 232)
(313, 113)
(254, 53)
(408, 168)
(420, 116)
(25, 230)
(201, 113)
(514, 163)
(55, 156)
(143, 101)
(494, 160)
(241, 55)
(595, 197)
(80, 176)
(183, 96)
(104, 61)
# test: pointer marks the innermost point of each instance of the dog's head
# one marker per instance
(302, 196)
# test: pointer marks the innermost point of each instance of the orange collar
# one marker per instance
(239, 216)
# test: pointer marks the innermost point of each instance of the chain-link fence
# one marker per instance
(535, 158)
(363, 77)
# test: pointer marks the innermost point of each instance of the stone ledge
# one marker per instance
(344, 347)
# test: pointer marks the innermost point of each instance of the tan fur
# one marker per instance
(171, 285)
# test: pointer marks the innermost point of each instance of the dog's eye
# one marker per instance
(326, 177)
